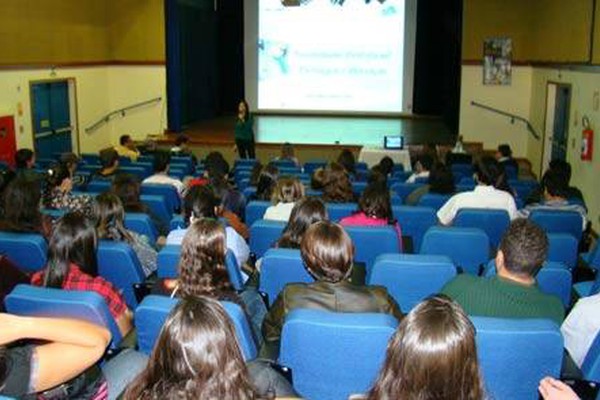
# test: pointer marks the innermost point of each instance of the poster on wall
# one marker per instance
(497, 55)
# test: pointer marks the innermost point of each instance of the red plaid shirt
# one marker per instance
(77, 280)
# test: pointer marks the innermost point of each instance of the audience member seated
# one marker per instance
(581, 327)
(201, 202)
(161, 172)
(347, 161)
(287, 192)
(504, 157)
(513, 292)
(215, 165)
(555, 198)
(422, 167)
(432, 355)
(56, 351)
(128, 189)
(126, 148)
(563, 169)
(553, 389)
(109, 165)
(58, 192)
(441, 181)
(267, 180)
(25, 162)
(182, 148)
(110, 220)
(287, 153)
(306, 212)
(337, 187)
(72, 266)
(317, 180)
(197, 356)
(386, 165)
(489, 193)
(377, 176)
(21, 205)
(374, 209)
(255, 173)
(327, 252)
(459, 147)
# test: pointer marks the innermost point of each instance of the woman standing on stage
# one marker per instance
(244, 131)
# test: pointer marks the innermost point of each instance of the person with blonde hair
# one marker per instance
(287, 192)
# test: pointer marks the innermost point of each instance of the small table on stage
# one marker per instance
(372, 156)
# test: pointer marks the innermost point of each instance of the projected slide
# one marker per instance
(331, 55)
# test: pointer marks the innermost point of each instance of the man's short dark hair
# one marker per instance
(22, 157)
(562, 167)
(161, 161)
(525, 247)
(181, 139)
(387, 165)
(108, 157)
(124, 139)
(426, 161)
(555, 184)
(505, 150)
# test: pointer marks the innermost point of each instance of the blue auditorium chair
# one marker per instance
(255, 210)
(91, 158)
(563, 248)
(35, 301)
(176, 222)
(557, 221)
(284, 163)
(146, 166)
(118, 264)
(433, 200)
(469, 248)
(280, 267)
(410, 278)
(465, 187)
(98, 186)
(311, 166)
(553, 278)
(263, 234)
(186, 160)
(141, 223)
(592, 257)
(511, 172)
(289, 170)
(177, 173)
(523, 187)
(151, 314)
(243, 184)
(591, 363)
(247, 162)
(27, 250)
(333, 355)
(371, 241)
(139, 172)
(460, 171)
(515, 354)
(493, 222)
(169, 192)
(588, 288)
(158, 206)
(414, 222)
(404, 189)
(249, 191)
(358, 187)
(337, 211)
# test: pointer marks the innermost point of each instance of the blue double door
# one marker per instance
(52, 126)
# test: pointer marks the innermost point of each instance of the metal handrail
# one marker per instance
(121, 112)
(512, 117)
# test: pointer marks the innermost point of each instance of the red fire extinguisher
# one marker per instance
(587, 140)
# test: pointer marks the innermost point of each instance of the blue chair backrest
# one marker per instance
(57, 303)
(461, 171)
(158, 206)
(337, 211)
(311, 166)
(245, 161)
(118, 264)
(243, 184)
(469, 248)
(371, 241)
(404, 189)
(98, 186)
(410, 278)
(284, 164)
(167, 191)
(553, 278)
(433, 200)
(555, 221)
(358, 187)
(515, 354)
(493, 222)
(511, 172)
(591, 363)
(27, 250)
(563, 248)
(140, 172)
(186, 160)
(176, 222)
(333, 355)
(151, 314)
(249, 191)
(263, 234)
(592, 258)
(255, 210)
(523, 187)
(142, 224)
(414, 222)
(280, 267)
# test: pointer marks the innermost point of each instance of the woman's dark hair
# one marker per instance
(337, 187)
(22, 157)
(441, 179)
(161, 161)
(202, 268)
(255, 173)
(375, 202)
(127, 187)
(377, 175)
(196, 356)
(306, 212)
(387, 165)
(327, 252)
(21, 206)
(216, 162)
(505, 150)
(431, 356)
(266, 182)
(490, 172)
(247, 112)
(199, 202)
(108, 157)
(73, 241)
(54, 178)
(346, 159)
(110, 218)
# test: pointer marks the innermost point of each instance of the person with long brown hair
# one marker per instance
(337, 187)
(305, 213)
(431, 356)
(287, 192)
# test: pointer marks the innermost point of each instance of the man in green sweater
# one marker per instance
(513, 293)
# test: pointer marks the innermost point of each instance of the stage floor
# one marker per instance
(325, 130)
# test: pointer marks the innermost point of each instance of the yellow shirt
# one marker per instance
(125, 152)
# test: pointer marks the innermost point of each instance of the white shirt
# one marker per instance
(235, 243)
(163, 179)
(481, 197)
(413, 177)
(581, 327)
(279, 212)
